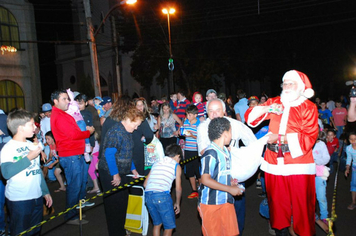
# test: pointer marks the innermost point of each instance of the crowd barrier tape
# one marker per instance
(134, 182)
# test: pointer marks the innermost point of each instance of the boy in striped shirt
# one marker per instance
(216, 202)
(158, 185)
(192, 168)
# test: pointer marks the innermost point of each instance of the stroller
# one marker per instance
(137, 214)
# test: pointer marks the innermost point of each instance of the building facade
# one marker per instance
(20, 85)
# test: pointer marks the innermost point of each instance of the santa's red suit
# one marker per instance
(290, 180)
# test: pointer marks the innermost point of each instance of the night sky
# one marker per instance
(317, 37)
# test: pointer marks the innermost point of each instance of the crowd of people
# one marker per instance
(91, 145)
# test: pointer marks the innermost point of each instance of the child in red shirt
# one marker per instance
(333, 148)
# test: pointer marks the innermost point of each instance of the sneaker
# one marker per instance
(258, 184)
(2, 232)
(86, 204)
(262, 195)
(77, 222)
(193, 195)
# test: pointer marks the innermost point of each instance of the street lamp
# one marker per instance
(170, 60)
(92, 43)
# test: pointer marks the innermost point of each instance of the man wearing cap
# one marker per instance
(241, 106)
(210, 95)
(288, 164)
(107, 106)
(45, 123)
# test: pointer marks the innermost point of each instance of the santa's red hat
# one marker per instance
(303, 82)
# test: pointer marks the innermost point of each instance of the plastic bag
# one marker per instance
(246, 160)
(153, 152)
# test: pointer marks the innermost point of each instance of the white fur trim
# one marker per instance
(284, 120)
(294, 145)
(289, 169)
(308, 93)
(254, 114)
(295, 103)
(293, 75)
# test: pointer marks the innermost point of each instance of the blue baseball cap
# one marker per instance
(46, 107)
(99, 98)
(105, 100)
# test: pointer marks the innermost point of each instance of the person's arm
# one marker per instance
(10, 169)
(332, 121)
(303, 141)
(111, 160)
(45, 192)
(351, 114)
(146, 131)
(213, 184)
(71, 129)
(178, 189)
(146, 180)
(134, 171)
(324, 157)
(176, 118)
(238, 117)
(202, 137)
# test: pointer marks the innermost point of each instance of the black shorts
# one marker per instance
(192, 168)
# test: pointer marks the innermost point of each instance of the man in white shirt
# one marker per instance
(46, 121)
(216, 108)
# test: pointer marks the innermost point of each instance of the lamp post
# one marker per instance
(170, 60)
(92, 43)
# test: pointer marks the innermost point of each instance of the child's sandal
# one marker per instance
(351, 207)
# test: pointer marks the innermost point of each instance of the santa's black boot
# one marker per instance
(282, 232)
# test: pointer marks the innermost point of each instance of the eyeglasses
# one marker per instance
(288, 84)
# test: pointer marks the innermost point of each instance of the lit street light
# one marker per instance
(170, 60)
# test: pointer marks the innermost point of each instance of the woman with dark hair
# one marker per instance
(115, 163)
(143, 135)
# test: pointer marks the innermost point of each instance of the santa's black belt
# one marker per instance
(274, 147)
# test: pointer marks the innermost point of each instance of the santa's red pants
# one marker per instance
(292, 196)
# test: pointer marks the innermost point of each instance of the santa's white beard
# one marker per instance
(289, 96)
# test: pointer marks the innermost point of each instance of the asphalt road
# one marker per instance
(188, 222)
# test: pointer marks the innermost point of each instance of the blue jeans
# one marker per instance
(320, 189)
(74, 171)
(353, 179)
(2, 204)
(160, 207)
(333, 158)
(263, 184)
(85, 178)
(240, 209)
(25, 214)
(340, 129)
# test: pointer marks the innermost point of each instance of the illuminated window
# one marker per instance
(9, 30)
(11, 96)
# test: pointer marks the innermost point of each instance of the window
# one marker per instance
(9, 31)
(11, 96)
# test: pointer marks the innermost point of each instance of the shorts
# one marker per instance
(218, 220)
(192, 168)
(160, 207)
(353, 179)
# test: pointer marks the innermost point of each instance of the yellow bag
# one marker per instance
(137, 214)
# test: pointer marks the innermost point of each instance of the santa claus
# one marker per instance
(288, 164)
